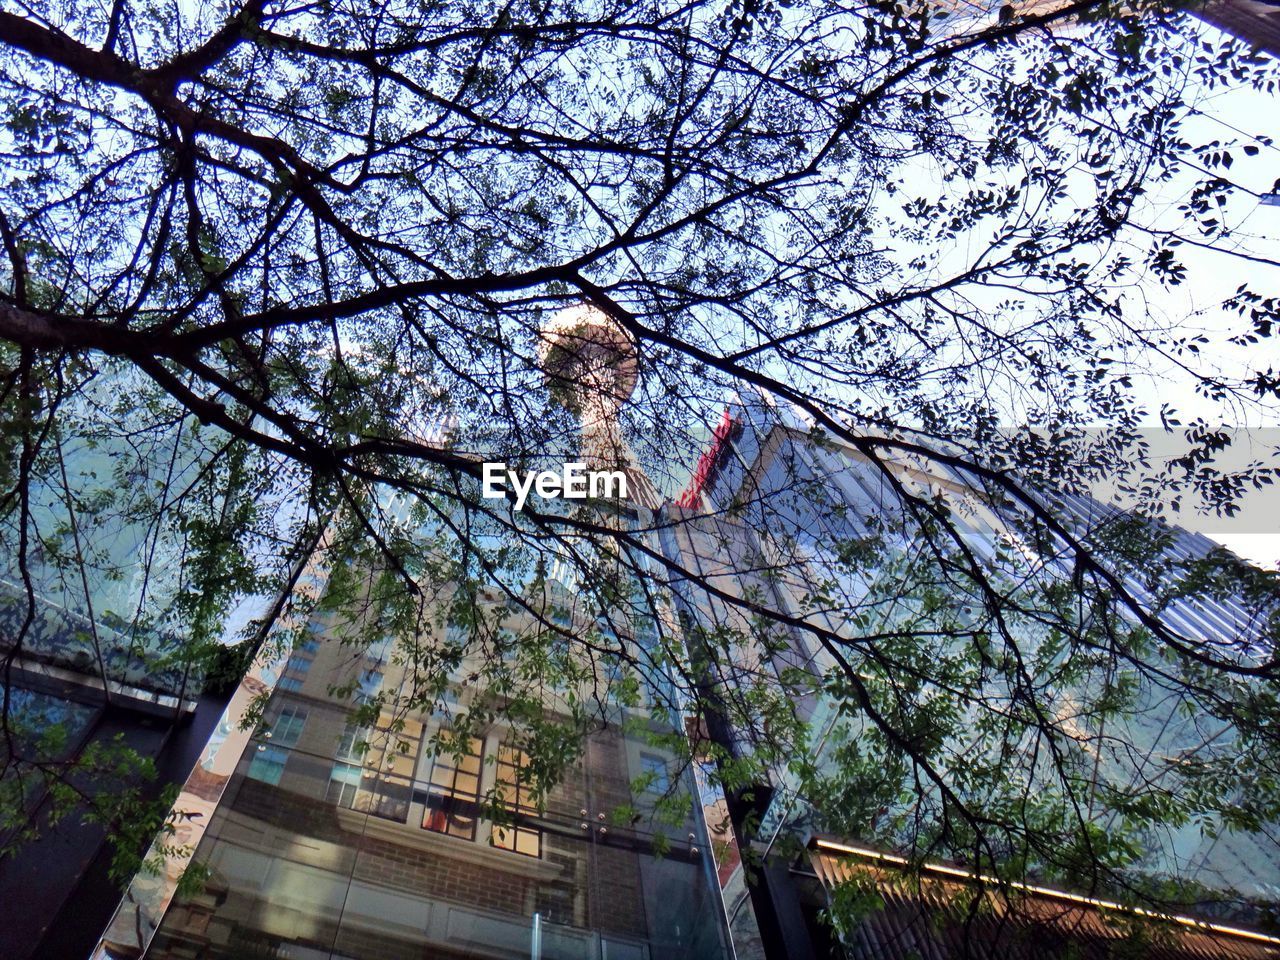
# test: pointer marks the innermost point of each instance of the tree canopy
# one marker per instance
(273, 269)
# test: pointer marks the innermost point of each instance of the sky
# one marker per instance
(1236, 116)
(1226, 114)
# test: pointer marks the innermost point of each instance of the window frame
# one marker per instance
(510, 836)
(448, 806)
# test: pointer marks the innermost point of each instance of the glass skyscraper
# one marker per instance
(364, 819)
(336, 839)
(782, 515)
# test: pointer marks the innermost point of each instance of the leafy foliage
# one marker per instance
(277, 270)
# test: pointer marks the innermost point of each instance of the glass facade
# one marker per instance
(813, 511)
(42, 724)
(337, 837)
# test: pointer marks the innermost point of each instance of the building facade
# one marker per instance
(96, 670)
(362, 817)
(338, 839)
(358, 819)
(781, 515)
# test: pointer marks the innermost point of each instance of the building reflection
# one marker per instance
(336, 839)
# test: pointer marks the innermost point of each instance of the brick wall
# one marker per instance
(599, 885)
(439, 877)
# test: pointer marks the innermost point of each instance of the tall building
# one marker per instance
(56, 883)
(364, 818)
(96, 665)
(591, 367)
(1256, 22)
(779, 514)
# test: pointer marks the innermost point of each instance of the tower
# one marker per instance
(592, 367)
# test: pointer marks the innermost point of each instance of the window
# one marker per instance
(394, 752)
(269, 760)
(374, 768)
(369, 684)
(454, 793)
(344, 779)
(268, 764)
(380, 650)
(654, 769)
(301, 659)
(289, 684)
(508, 644)
(344, 784)
(288, 726)
(517, 836)
(646, 632)
(352, 746)
(456, 635)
